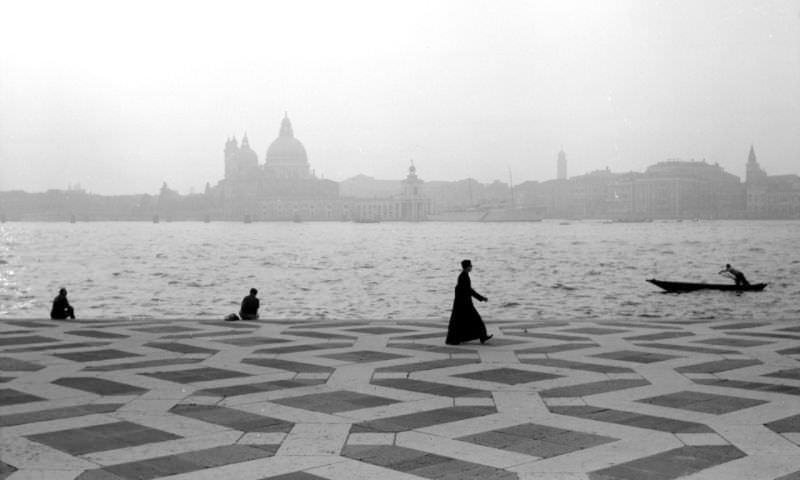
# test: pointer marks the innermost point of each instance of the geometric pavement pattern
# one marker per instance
(311, 400)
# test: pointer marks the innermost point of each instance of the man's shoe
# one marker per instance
(486, 339)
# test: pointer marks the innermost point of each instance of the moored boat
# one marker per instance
(692, 286)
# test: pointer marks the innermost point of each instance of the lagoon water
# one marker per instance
(542, 271)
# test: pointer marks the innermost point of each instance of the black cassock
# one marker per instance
(465, 322)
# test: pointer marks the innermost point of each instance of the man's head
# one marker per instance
(63, 292)
(253, 292)
(727, 265)
(466, 264)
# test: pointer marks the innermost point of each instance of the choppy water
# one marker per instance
(537, 271)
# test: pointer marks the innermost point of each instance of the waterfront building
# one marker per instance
(770, 196)
(286, 188)
(677, 189)
(561, 168)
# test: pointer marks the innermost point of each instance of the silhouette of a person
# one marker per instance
(737, 276)
(61, 308)
(465, 322)
(249, 308)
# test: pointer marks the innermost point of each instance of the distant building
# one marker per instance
(677, 189)
(561, 173)
(286, 188)
(776, 196)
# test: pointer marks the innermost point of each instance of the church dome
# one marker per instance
(286, 149)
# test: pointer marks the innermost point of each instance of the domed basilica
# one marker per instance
(286, 188)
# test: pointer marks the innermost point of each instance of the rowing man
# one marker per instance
(737, 276)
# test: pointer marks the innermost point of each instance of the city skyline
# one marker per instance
(123, 98)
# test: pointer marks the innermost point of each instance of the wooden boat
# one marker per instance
(691, 287)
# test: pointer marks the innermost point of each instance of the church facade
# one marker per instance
(285, 188)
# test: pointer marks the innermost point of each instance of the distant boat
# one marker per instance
(367, 220)
(691, 287)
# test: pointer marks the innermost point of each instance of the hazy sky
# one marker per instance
(121, 96)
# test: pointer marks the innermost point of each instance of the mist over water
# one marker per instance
(398, 271)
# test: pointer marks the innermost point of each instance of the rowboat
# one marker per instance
(691, 287)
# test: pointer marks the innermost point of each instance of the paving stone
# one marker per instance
(232, 418)
(674, 463)
(424, 347)
(733, 342)
(252, 341)
(792, 373)
(9, 396)
(249, 388)
(295, 476)
(508, 376)
(57, 413)
(6, 340)
(113, 367)
(596, 330)
(379, 330)
(572, 365)
(702, 402)
(95, 334)
(537, 440)
(593, 388)
(430, 365)
(8, 364)
(99, 386)
(98, 438)
(305, 348)
(203, 374)
(785, 425)
(659, 336)
(754, 386)
(334, 402)
(364, 356)
(631, 419)
(55, 346)
(562, 347)
(634, 356)
(719, 366)
(178, 347)
(431, 388)
(96, 355)
(686, 348)
(413, 421)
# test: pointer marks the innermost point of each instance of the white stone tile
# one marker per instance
(354, 470)
(473, 402)
(257, 469)
(465, 451)
(44, 474)
(26, 454)
(695, 439)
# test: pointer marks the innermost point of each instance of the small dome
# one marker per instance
(286, 149)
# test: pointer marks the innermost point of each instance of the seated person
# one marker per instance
(61, 307)
(249, 308)
(737, 276)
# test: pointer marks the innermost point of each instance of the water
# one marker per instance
(398, 271)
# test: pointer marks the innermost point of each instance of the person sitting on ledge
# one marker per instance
(249, 308)
(737, 276)
(61, 308)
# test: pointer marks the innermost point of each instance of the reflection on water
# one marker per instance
(547, 270)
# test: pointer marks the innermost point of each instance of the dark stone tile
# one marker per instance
(334, 402)
(553, 336)
(212, 335)
(57, 413)
(9, 364)
(249, 388)
(252, 341)
(733, 342)
(165, 329)
(9, 396)
(687, 348)
(98, 386)
(792, 373)
(572, 365)
(755, 386)
(99, 438)
(95, 334)
(719, 366)
(364, 356)
(561, 347)
(596, 330)
(291, 366)
(635, 356)
(56, 346)
(790, 351)
(225, 455)
(631, 419)
(593, 388)
(537, 440)
(143, 364)
(6, 340)
(508, 376)
(660, 336)
(6, 470)
(232, 418)
(785, 425)
(379, 330)
(203, 374)
(429, 365)
(431, 388)
(419, 336)
(791, 476)
(702, 402)
(295, 476)
(96, 355)
(671, 464)
(6, 379)
(321, 335)
(738, 326)
(426, 347)
(180, 348)
(305, 348)
(781, 336)
(413, 421)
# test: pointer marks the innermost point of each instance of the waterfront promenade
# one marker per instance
(349, 400)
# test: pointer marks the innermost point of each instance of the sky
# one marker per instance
(120, 97)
